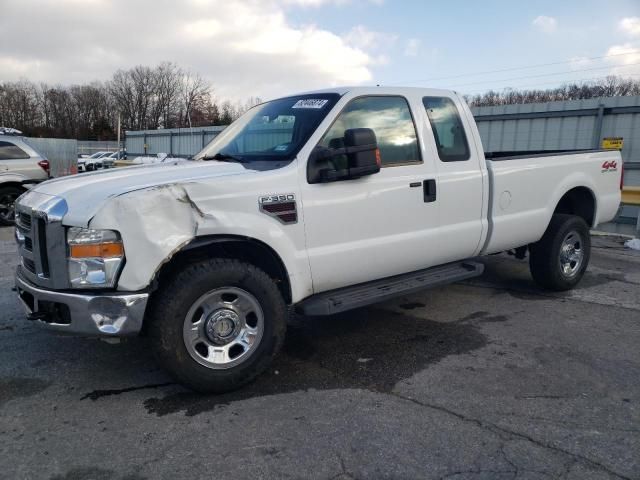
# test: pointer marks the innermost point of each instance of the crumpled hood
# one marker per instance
(86, 193)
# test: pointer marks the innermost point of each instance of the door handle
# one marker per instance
(429, 188)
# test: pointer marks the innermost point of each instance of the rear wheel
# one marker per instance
(8, 197)
(559, 259)
(217, 324)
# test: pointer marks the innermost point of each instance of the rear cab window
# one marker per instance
(10, 151)
(391, 120)
(448, 131)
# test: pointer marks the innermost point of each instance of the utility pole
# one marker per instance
(119, 149)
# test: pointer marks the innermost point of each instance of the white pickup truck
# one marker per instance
(323, 201)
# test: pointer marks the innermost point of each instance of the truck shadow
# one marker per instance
(370, 349)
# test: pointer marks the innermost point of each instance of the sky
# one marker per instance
(269, 48)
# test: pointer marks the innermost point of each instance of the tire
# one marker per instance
(215, 325)
(8, 196)
(559, 259)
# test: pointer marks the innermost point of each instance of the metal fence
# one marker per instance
(178, 142)
(187, 142)
(89, 147)
(569, 125)
(61, 153)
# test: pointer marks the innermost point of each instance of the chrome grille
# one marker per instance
(23, 221)
(41, 239)
(29, 264)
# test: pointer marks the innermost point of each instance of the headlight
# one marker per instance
(95, 257)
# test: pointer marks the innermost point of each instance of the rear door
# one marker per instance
(460, 172)
(379, 225)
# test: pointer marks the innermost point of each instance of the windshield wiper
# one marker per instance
(224, 157)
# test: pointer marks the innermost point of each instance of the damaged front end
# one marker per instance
(154, 224)
(95, 281)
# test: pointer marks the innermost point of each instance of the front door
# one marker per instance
(379, 225)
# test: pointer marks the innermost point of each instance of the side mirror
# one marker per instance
(361, 152)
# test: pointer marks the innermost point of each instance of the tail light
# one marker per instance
(44, 164)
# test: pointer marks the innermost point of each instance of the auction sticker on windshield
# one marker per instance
(310, 103)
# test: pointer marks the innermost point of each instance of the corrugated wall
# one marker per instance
(187, 142)
(61, 153)
(179, 142)
(570, 125)
(575, 124)
(89, 147)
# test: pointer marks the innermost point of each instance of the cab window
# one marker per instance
(389, 117)
(9, 151)
(447, 128)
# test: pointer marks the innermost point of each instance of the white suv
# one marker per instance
(21, 166)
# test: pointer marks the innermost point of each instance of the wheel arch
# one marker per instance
(238, 247)
(579, 201)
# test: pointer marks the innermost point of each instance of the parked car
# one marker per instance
(362, 195)
(108, 161)
(158, 158)
(21, 166)
(91, 162)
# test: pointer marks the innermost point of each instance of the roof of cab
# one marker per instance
(380, 89)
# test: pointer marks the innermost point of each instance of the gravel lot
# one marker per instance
(490, 378)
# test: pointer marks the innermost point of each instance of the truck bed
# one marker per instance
(526, 188)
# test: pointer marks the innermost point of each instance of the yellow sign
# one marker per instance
(613, 143)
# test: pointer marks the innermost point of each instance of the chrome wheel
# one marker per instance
(223, 327)
(571, 254)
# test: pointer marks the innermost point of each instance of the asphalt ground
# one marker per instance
(488, 379)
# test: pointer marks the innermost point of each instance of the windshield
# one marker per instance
(97, 155)
(274, 130)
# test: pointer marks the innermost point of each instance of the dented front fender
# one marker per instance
(157, 222)
(154, 224)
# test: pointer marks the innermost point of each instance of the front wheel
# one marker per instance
(559, 259)
(217, 324)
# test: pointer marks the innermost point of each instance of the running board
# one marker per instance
(342, 299)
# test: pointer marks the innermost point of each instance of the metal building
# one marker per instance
(177, 142)
(568, 125)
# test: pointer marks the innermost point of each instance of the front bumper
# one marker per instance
(89, 314)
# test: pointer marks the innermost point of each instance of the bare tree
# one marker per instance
(168, 84)
(195, 91)
(607, 87)
(122, 94)
(145, 97)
